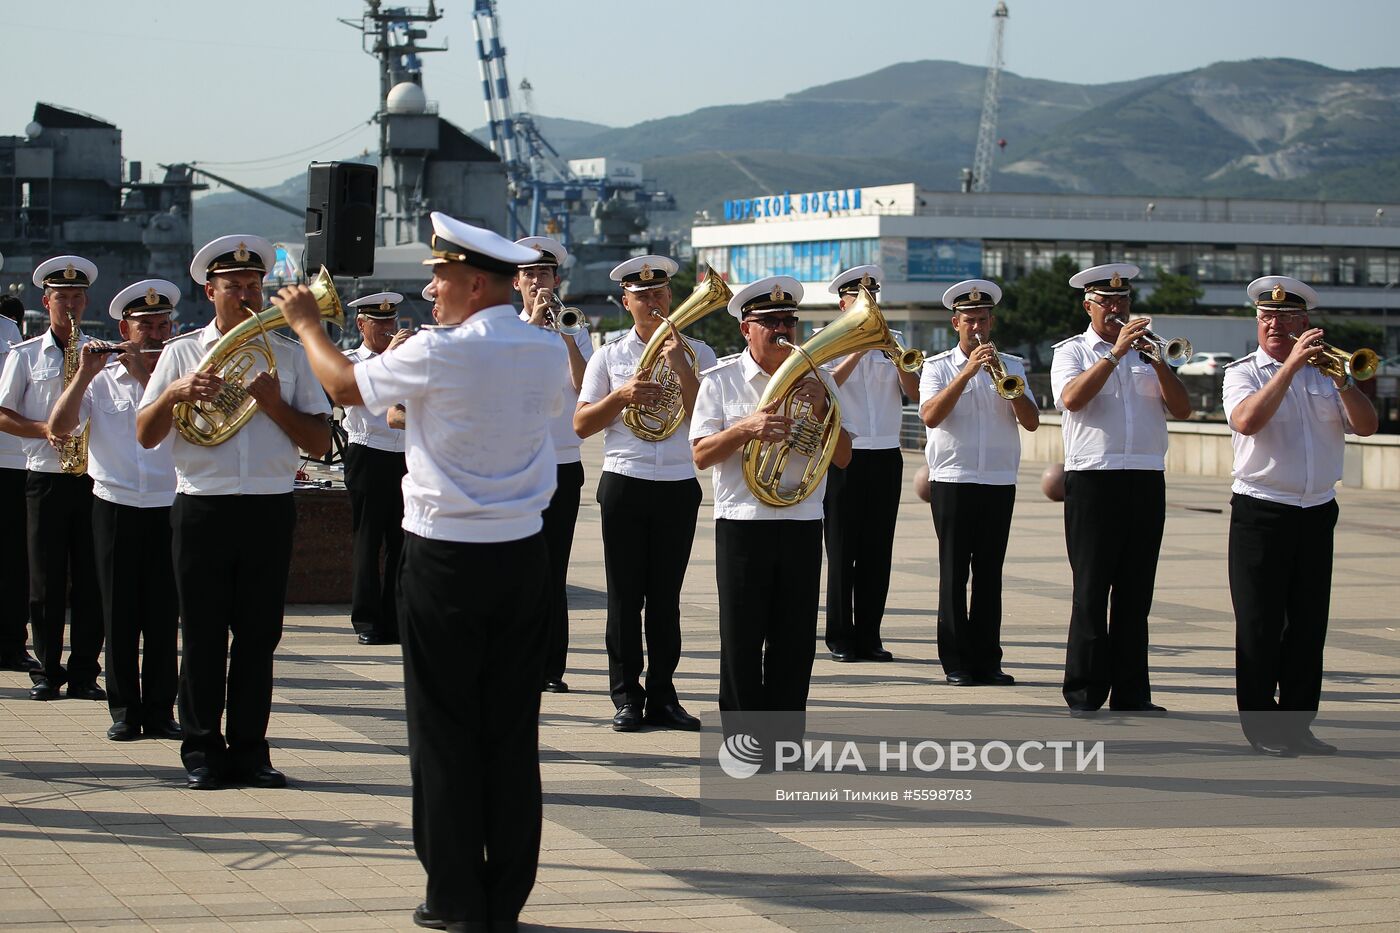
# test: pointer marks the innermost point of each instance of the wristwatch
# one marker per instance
(1109, 356)
(1348, 383)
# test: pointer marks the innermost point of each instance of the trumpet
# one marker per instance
(1175, 351)
(1008, 386)
(563, 319)
(1339, 364)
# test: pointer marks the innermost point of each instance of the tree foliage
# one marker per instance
(1174, 294)
(1040, 307)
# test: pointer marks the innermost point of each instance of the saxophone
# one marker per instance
(73, 453)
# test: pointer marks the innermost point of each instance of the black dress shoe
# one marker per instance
(1142, 709)
(20, 661)
(123, 732)
(44, 690)
(1083, 712)
(672, 716)
(425, 918)
(844, 656)
(165, 729)
(1309, 744)
(628, 718)
(999, 679)
(555, 686)
(202, 779)
(875, 654)
(86, 692)
(962, 679)
(1272, 748)
(370, 638)
(263, 776)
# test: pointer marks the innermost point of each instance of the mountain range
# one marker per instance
(1278, 128)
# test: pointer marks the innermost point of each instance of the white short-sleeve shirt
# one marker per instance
(361, 426)
(561, 429)
(260, 459)
(480, 459)
(729, 393)
(12, 456)
(624, 452)
(30, 384)
(978, 442)
(123, 472)
(1296, 458)
(1124, 427)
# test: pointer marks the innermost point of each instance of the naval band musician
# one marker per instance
(768, 559)
(1289, 422)
(1115, 403)
(862, 498)
(14, 552)
(62, 569)
(973, 452)
(133, 490)
(232, 520)
(374, 469)
(538, 284)
(480, 472)
(649, 499)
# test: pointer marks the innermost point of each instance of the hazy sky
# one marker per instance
(179, 76)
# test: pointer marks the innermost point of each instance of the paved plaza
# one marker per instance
(100, 834)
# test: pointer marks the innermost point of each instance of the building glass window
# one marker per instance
(811, 261)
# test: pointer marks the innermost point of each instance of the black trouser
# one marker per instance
(60, 562)
(14, 564)
(1281, 586)
(648, 528)
(374, 479)
(1113, 529)
(137, 580)
(768, 575)
(473, 651)
(862, 504)
(232, 555)
(559, 520)
(973, 522)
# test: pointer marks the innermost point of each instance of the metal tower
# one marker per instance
(987, 129)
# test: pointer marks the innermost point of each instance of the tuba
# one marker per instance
(1008, 387)
(73, 452)
(208, 424)
(1339, 364)
(656, 423)
(812, 441)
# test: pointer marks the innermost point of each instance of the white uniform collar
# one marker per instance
(750, 366)
(1262, 358)
(1094, 339)
(211, 333)
(959, 356)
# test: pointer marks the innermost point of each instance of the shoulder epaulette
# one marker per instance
(1011, 356)
(722, 362)
(1243, 359)
(185, 336)
(1066, 340)
(939, 356)
(25, 343)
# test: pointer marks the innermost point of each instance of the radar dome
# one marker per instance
(407, 98)
(34, 129)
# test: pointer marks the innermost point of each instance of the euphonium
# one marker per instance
(813, 441)
(1008, 387)
(73, 452)
(1338, 364)
(233, 358)
(1175, 351)
(656, 423)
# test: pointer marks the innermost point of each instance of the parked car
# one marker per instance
(1205, 364)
